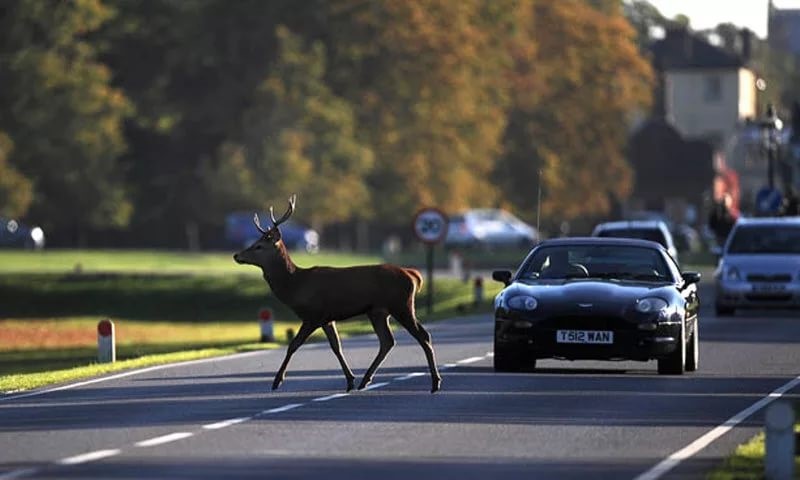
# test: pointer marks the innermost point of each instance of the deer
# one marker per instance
(320, 296)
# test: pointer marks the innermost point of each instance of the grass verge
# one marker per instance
(747, 461)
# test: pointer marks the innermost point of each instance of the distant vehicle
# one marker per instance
(653, 230)
(15, 234)
(759, 265)
(489, 228)
(598, 299)
(240, 232)
(686, 238)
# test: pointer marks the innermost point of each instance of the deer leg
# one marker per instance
(303, 334)
(336, 346)
(407, 320)
(380, 322)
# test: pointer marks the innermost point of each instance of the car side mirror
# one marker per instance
(691, 277)
(502, 276)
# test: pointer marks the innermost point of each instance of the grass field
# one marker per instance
(161, 303)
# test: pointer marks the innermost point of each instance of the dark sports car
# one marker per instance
(600, 299)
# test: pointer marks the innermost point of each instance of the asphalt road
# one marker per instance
(218, 418)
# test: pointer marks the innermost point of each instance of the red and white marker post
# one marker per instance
(106, 342)
(265, 320)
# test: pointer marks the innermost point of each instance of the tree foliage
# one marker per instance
(164, 115)
(62, 114)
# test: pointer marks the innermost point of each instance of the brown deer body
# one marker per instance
(321, 296)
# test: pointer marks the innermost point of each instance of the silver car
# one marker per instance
(759, 265)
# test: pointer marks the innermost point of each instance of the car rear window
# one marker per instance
(652, 234)
(780, 239)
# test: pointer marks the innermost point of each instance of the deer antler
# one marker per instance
(258, 224)
(286, 215)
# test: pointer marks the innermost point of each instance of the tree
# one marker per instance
(15, 189)
(572, 128)
(63, 116)
(298, 137)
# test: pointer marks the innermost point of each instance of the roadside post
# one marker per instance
(779, 426)
(106, 342)
(265, 321)
(477, 291)
(430, 228)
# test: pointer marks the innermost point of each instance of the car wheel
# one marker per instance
(674, 363)
(693, 351)
(724, 311)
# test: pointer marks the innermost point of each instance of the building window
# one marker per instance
(713, 88)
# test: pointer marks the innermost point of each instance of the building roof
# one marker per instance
(682, 49)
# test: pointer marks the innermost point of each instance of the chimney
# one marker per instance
(747, 44)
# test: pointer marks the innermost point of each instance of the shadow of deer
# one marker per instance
(321, 296)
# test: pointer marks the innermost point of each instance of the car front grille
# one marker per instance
(588, 322)
(767, 278)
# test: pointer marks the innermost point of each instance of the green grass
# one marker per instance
(154, 262)
(162, 304)
(747, 461)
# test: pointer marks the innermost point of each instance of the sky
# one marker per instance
(708, 13)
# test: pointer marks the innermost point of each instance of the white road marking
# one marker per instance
(470, 360)
(22, 472)
(330, 397)
(283, 408)
(410, 376)
(88, 457)
(448, 366)
(376, 385)
(4, 397)
(693, 448)
(164, 439)
(226, 423)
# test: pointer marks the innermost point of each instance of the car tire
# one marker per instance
(724, 311)
(693, 350)
(675, 362)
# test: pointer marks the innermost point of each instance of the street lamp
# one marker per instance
(771, 127)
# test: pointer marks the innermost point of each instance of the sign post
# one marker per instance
(430, 227)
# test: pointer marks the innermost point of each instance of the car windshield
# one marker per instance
(618, 262)
(652, 234)
(766, 239)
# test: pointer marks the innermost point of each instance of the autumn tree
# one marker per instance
(62, 115)
(574, 99)
(15, 189)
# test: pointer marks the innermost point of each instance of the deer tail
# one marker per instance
(417, 277)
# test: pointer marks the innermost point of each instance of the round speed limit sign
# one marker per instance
(430, 225)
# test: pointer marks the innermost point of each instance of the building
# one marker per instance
(783, 27)
(706, 91)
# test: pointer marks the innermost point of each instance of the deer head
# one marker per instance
(270, 244)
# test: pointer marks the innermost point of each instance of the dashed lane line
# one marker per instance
(172, 437)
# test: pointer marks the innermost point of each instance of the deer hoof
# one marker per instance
(364, 383)
(437, 383)
(276, 384)
(350, 384)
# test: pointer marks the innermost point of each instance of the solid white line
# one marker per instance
(88, 457)
(330, 397)
(5, 397)
(448, 366)
(23, 472)
(693, 448)
(164, 439)
(376, 385)
(226, 423)
(410, 376)
(283, 408)
(470, 360)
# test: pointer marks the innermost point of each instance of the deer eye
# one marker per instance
(258, 247)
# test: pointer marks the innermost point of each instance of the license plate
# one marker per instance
(768, 287)
(585, 336)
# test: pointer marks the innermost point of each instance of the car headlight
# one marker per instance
(650, 304)
(522, 302)
(732, 274)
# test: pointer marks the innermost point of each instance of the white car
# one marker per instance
(489, 227)
(653, 230)
(759, 265)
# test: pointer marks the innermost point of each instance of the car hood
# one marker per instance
(763, 262)
(583, 291)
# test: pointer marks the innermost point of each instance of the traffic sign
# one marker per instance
(769, 200)
(430, 225)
